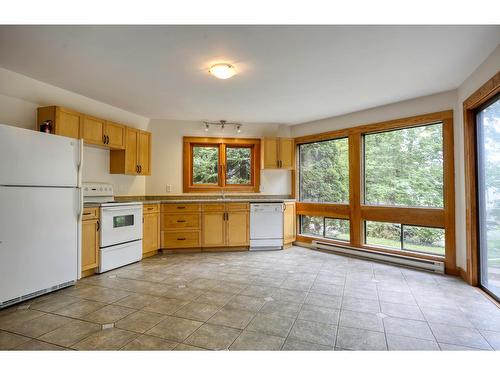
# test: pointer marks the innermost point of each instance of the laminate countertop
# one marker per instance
(187, 200)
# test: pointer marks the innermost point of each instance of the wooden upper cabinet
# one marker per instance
(269, 149)
(93, 130)
(135, 159)
(115, 135)
(65, 122)
(144, 153)
(278, 153)
(286, 153)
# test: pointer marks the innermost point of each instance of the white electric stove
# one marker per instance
(120, 225)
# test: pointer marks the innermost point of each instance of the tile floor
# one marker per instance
(297, 299)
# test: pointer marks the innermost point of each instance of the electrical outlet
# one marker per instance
(169, 188)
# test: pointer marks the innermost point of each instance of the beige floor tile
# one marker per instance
(232, 318)
(79, 309)
(197, 311)
(186, 347)
(38, 326)
(145, 342)
(257, 341)
(213, 337)
(166, 306)
(38, 345)
(11, 340)
(107, 339)
(137, 301)
(71, 333)
(108, 314)
(18, 316)
(175, 329)
(55, 303)
(140, 321)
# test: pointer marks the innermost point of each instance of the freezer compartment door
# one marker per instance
(31, 158)
(38, 239)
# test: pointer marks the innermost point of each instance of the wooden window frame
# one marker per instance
(222, 144)
(358, 212)
(485, 93)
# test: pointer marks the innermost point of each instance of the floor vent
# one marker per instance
(428, 265)
(35, 294)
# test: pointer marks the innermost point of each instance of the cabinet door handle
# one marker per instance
(98, 226)
(140, 168)
(227, 216)
(103, 139)
(137, 169)
(107, 139)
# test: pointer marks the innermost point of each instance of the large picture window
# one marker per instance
(404, 167)
(392, 183)
(216, 164)
(324, 171)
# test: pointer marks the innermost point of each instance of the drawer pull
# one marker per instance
(150, 208)
(181, 221)
(87, 213)
(180, 207)
(181, 239)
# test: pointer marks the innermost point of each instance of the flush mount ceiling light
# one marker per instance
(222, 70)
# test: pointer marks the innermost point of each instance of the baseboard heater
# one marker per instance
(429, 265)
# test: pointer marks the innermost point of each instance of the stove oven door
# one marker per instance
(120, 224)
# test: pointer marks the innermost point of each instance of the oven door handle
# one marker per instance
(124, 208)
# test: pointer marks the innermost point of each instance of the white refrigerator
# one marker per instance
(40, 213)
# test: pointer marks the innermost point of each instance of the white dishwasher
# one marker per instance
(266, 226)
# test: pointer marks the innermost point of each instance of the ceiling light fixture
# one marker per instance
(222, 70)
(222, 125)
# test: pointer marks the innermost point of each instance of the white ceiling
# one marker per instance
(287, 74)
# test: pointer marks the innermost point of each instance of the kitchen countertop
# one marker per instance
(175, 200)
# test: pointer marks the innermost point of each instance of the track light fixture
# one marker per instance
(222, 124)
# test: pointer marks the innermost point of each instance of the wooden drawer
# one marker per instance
(180, 221)
(180, 208)
(213, 207)
(174, 240)
(150, 208)
(243, 206)
(90, 213)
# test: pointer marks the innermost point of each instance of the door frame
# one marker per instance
(470, 106)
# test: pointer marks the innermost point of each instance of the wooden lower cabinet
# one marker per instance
(213, 232)
(90, 239)
(150, 230)
(238, 228)
(210, 225)
(289, 223)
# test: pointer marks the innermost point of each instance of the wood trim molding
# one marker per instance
(340, 211)
(470, 105)
(406, 122)
(357, 212)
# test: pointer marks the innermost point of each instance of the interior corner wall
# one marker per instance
(167, 154)
(20, 96)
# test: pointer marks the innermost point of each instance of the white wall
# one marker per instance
(167, 154)
(20, 96)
